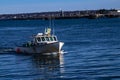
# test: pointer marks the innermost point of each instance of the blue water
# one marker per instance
(91, 50)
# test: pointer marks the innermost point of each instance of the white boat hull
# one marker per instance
(41, 49)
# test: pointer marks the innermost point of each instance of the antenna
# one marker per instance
(50, 21)
(45, 31)
(53, 32)
(53, 26)
(53, 22)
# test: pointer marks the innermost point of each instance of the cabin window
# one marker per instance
(38, 39)
(43, 39)
(51, 38)
(55, 38)
(47, 38)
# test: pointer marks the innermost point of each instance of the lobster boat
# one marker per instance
(42, 43)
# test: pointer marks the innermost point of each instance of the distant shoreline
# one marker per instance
(90, 14)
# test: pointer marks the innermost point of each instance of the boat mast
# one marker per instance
(45, 31)
(53, 32)
(53, 26)
(50, 22)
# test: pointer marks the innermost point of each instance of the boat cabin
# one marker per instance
(43, 38)
(46, 39)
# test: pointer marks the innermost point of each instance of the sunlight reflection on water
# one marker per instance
(49, 66)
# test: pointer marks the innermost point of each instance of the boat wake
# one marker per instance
(64, 52)
(5, 50)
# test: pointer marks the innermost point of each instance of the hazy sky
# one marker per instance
(24, 6)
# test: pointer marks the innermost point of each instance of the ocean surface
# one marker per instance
(91, 50)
